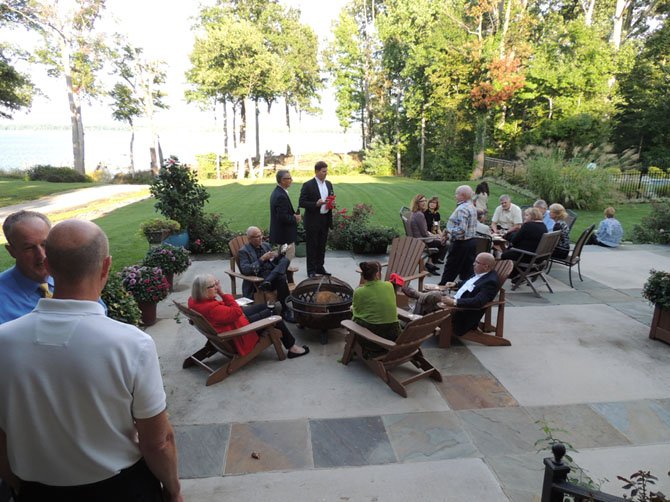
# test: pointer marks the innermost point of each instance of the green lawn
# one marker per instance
(13, 191)
(247, 203)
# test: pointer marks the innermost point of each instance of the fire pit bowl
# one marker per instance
(322, 303)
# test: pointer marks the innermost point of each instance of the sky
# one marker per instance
(163, 29)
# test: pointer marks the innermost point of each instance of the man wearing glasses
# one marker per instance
(283, 218)
(257, 258)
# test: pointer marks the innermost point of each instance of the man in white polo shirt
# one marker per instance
(507, 216)
(83, 407)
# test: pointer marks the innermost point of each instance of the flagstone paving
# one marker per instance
(580, 361)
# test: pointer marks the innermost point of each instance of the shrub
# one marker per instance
(121, 305)
(14, 174)
(657, 288)
(654, 228)
(169, 258)
(134, 178)
(178, 194)
(366, 239)
(210, 235)
(207, 166)
(56, 174)
(379, 160)
(340, 235)
(569, 183)
(146, 284)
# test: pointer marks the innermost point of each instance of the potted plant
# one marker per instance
(371, 240)
(170, 259)
(121, 305)
(157, 230)
(179, 196)
(657, 291)
(149, 286)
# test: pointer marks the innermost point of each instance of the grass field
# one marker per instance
(247, 203)
(13, 191)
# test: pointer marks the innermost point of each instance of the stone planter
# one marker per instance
(660, 325)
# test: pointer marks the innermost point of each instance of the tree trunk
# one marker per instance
(288, 114)
(364, 145)
(75, 113)
(225, 127)
(480, 145)
(398, 164)
(234, 126)
(132, 147)
(257, 113)
(588, 12)
(423, 139)
(508, 12)
(243, 123)
(617, 24)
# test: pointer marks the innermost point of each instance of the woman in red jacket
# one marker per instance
(226, 315)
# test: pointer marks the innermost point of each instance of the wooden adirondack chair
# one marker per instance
(405, 215)
(259, 296)
(221, 343)
(405, 259)
(530, 266)
(486, 333)
(405, 349)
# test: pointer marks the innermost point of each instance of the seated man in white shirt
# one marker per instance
(507, 216)
(473, 294)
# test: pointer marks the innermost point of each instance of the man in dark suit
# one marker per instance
(473, 294)
(316, 196)
(257, 258)
(283, 218)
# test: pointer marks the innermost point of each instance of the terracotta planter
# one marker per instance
(170, 279)
(148, 313)
(660, 325)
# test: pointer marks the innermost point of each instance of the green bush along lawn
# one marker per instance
(247, 203)
(13, 191)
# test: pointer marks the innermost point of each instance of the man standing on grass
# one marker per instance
(22, 285)
(283, 218)
(317, 197)
(83, 415)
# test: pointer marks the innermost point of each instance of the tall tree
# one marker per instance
(72, 49)
(137, 93)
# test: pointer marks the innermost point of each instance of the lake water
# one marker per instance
(23, 148)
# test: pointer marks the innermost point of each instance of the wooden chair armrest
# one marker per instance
(420, 275)
(251, 278)
(359, 330)
(522, 251)
(254, 326)
(406, 315)
(292, 269)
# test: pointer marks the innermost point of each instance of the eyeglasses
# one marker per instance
(211, 286)
(289, 178)
(257, 236)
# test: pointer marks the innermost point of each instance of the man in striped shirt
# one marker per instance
(462, 227)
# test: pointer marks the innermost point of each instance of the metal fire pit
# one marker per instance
(312, 311)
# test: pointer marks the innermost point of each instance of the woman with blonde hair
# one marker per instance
(419, 229)
(224, 314)
(558, 213)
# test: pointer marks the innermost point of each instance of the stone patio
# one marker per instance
(580, 359)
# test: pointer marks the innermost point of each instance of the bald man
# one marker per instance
(257, 258)
(83, 415)
(473, 294)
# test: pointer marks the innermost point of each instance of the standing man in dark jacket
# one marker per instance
(283, 218)
(317, 197)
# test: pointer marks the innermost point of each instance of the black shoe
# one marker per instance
(324, 272)
(438, 262)
(432, 268)
(287, 315)
(265, 286)
(293, 355)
